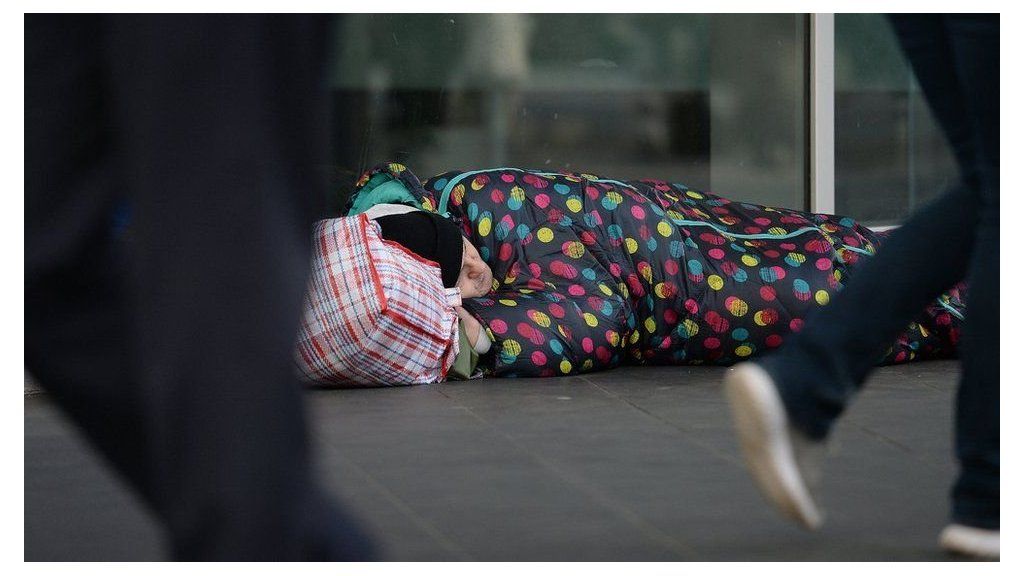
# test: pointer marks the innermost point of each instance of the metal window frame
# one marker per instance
(822, 113)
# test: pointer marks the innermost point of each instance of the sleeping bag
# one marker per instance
(591, 272)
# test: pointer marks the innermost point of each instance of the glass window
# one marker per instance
(717, 102)
(890, 154)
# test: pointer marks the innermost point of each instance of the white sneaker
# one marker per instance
(784, 462)
(969, 541)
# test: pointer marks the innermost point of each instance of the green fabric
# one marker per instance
(466, 361)
(381, 189)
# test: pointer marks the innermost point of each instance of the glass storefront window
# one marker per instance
(890, 154)
(717, 102)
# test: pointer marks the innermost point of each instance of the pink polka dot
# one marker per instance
(763, 221)
(497, 196)
(773, 340)
(556, 310)
(767, 293)
(716, 253)
(711, 343)
(671, 316)
(671, 267)
(576, 290)
(771, 253)
(508, 178)
(603, 354)
(498, 326)
(542, 200)
(691, 306)
(539, 358)
(796, 324)
(823, 263)
(588, 345)
(638, 212)
(505, 252)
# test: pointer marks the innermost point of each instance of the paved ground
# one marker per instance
(632, 464)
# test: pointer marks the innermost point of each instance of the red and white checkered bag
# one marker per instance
(376, 314)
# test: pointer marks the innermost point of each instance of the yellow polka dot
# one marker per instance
(507, 302)
(660, 291)
(749, 260)
(565, 366)
(694, 195)
(738, 307)
(545, 235)
(518, 193)
(561, 330)
(673, 215)
(395, 167)
(588, 364)
(541, 319)
(650, 325)
(716, 282)
(759, 318)
(631, 245)
(691, 327)
(511, 347)
(634, 337)
(646, 273)
(797, 257)
(484, 227)
(476, 185)
(664, 228)
(821, 297)
(604, 289)
(776, 231)
(613, 338)
(615, 197)
(590, 319)
(573, 205)
(743, 350)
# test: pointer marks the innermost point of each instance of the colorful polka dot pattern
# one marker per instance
(591, 273)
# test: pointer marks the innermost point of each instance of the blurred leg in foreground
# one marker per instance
(786, 404)
(171, 348)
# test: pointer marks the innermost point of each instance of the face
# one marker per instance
(475, 276)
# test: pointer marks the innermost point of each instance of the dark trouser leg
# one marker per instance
(225, 119)
(820, 368)
(215, 125)
(823, 366)
(975, 41)
(76, 315)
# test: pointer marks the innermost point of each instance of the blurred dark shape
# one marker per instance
(169, 343)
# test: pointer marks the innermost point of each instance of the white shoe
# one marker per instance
(784, 462)
(969, 541)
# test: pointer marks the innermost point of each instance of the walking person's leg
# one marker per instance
(810, 380)
(76, 311)
(975, 42)
(224, 122)
(212, 127)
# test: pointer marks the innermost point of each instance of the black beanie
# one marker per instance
(429, 235)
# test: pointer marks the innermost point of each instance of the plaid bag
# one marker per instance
(375, 313)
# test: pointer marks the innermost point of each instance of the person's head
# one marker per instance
(475, 277)
(437, 238)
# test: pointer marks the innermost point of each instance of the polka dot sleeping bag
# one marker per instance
(591, 273)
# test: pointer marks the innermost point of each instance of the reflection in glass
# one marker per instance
(714, 101)
(891, 156)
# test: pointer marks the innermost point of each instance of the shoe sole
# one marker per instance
(760, 422)
(974, 543)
